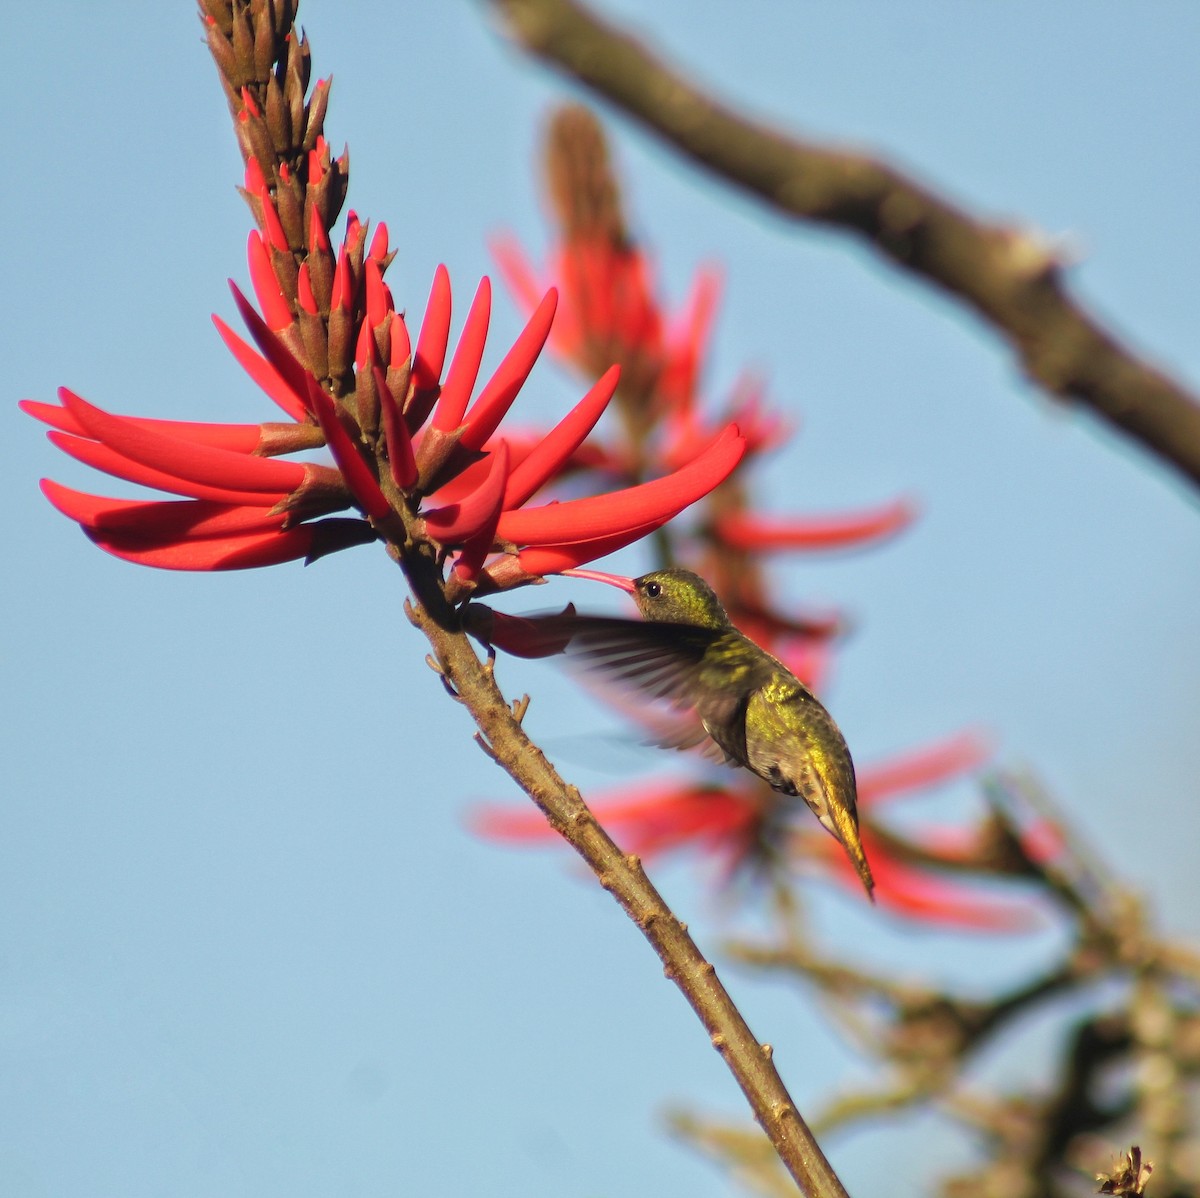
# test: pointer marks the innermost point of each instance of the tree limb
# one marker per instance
(1008, 275)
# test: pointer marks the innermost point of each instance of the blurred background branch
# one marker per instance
(1009, 275)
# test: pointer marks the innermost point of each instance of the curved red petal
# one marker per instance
(434, 335)
(379, 296)
(318, 235)
(280, 357)
(187, 460)
(275, 233)
(307, 541)
(304, 291)
(458, 522)
(555, 448)
(159, 520)
(266, 285)
(262, 372)
(399, 344)
(556, 559)
(925, 767)
(516, 269)
(255, 179)
(362, 483)
(746, 530)
(477, 547)
(343, 284)
(239, 438)
(619, 511)
(101, 457)
(218, 553)
(379, 243)
(464, 367)
(502, 388)
(930, 899)
(399, 444)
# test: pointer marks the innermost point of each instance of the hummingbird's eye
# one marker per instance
(653, 589)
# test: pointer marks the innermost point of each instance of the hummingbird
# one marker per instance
(686, 651)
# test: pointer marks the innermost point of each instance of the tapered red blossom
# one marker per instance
(411, 438)
(928, 877)
(610, 311)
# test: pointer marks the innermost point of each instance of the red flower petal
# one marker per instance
(746, 530)
(362, 483)
(318, 235)
(497, 396)
(101, 457)
(476, 549)
(379, 243)
(653, 819)
(255, 180)
(460, 378)
(555, 559)
(648, 503)
(184, 459)
(279, 356)
(262, 372)
(458, 522)
(518, 272)
(930, 899)
(304, 291)
(379, 297)
(688, 342)
(399, 444)
(434, 336)
(399, 345)
(160, 520)
(239, 438)
(343, 283)
(555, 448)
(266, 285)
(925, 767)
(275, 233)
(242, 552)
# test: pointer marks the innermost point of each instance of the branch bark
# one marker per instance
(623, 877)
(1010, 277)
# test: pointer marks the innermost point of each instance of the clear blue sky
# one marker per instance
(246, 946)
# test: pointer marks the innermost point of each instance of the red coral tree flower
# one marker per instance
(408, 435)
(738, 825)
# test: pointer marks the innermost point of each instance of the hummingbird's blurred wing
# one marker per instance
(662, 660)
(658, 660)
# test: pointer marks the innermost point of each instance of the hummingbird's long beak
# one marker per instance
(613, 580)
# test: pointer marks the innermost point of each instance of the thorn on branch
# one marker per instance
(519, 708)
(449, 686)
(487, 748)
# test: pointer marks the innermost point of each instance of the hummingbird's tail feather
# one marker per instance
(840, 819)
(851, 841)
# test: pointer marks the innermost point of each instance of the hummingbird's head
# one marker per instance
(678, 597)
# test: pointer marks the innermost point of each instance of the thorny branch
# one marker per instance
(1012, 278)
(264, 69)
